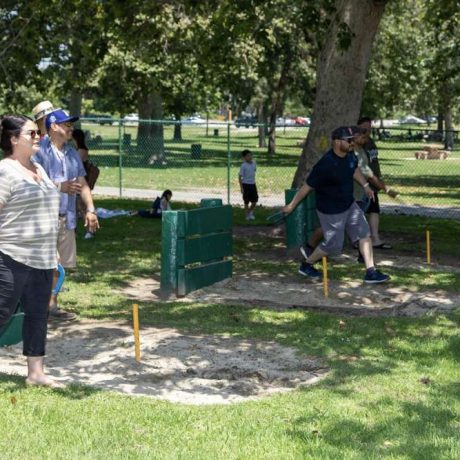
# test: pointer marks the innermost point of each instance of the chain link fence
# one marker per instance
(198, 160)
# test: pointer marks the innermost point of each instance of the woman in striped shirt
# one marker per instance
(29, 207)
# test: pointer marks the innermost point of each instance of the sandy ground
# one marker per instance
(206, 369)
(191, 369)
(287, 292)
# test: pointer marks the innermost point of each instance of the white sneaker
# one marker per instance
(248, 217)
(88, 235)
(251, 216)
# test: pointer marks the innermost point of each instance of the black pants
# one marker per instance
(31, 286)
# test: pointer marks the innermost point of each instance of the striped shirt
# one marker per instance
(28, 217)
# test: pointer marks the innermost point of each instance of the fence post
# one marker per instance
(229, 162)
(120, 157)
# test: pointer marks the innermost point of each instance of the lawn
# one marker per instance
(423, 182)
(393, 390)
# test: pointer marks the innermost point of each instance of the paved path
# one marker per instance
(195, 195)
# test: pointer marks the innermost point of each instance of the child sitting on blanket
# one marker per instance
(160, 204)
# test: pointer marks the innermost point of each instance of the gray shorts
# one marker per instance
(334, 227)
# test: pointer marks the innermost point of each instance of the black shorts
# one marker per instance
(374, 206)
(250, 193)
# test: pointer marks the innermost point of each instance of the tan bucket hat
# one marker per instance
(42, 109)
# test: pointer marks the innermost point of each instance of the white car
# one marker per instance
(195, 119)
(131, 118)
(412, 120)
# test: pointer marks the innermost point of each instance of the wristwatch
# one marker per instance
(91, 211)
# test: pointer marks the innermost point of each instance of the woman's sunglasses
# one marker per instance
(33, 133)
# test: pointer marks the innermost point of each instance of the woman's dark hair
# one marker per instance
(166, 192)
(79, 137)
(10, 126)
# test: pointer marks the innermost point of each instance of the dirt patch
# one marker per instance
(178, 367)
(282, 291)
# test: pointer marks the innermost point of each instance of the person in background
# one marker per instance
(92, 171)
(369, 149)
(160, 204)
(40, 111)
(332, 179)
(29, 205)
(248, 187)
(63, 165)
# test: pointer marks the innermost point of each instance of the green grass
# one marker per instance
(393, 390)
(428, 182)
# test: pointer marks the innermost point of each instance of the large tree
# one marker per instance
(340, 77)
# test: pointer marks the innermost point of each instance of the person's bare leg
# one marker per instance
(36, 373)
(316, 255)
(374, 221)
(365, 247)
(315, 238)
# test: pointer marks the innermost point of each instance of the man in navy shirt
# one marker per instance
(332, 179)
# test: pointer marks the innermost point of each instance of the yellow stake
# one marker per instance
(137, 343)
(325, 282)
(428, 248)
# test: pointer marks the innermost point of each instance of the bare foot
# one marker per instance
(44, 381)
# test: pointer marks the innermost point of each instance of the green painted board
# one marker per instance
(203, 221)
(210, 202)
(11, 334)
(169, 223)
(204, 248)
(301, 223)
(190, 279)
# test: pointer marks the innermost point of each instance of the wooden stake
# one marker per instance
(325, 281)
(137, 343)
(428, 248)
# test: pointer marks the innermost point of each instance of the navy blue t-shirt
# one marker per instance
(332, 179)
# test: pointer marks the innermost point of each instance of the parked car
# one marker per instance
(131, 118)
(247, 121)
(412, 120)
(302, 121)
(104, 119)
(285, 121)
(194, 119)
(431, 119)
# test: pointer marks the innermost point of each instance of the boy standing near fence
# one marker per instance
(247, 179)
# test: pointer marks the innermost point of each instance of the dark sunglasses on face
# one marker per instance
(33, 133)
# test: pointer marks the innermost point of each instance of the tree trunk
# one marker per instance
(278, 100)
(340, 76)
(447, 116)
(262, 120)
(150, 135)
(75, 105)
(440, 122)
(177, 128)
(272, 134)
(144, 106)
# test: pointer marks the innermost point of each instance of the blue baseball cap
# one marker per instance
(58, 116)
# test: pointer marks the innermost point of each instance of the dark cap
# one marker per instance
(342, 133)
(357, 130)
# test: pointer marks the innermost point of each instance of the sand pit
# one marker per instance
(178, 367)
(291, 292)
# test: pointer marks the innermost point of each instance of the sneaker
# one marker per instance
(252, 216)
(248, 217)
(57, 313)
(306, 251)
(309, 271)
(375, 277)
(89, 235)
